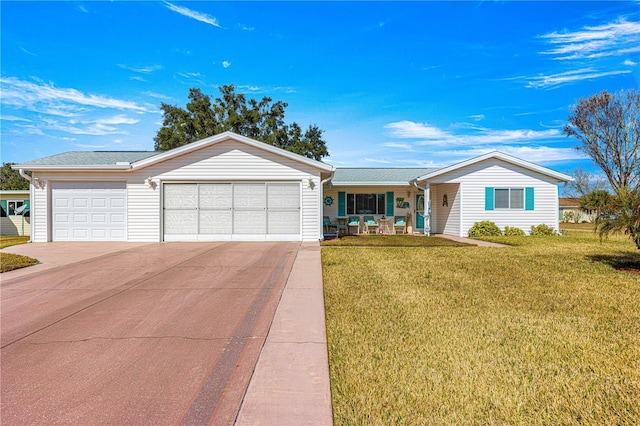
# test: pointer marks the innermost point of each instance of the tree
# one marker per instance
(608, 128)
(11, 180)
(599, 200)
(261, 120)
(623, 216)
(583, 183)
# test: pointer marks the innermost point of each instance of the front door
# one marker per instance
(419, 211)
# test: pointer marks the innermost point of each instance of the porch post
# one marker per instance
(427, 210)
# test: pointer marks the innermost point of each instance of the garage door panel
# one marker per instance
(89, 211)
(216, 222)
(283, 196)
(283, 222)
(249, 196)
(182, 196)
(249, 222)
(217, 196)
(181, 222)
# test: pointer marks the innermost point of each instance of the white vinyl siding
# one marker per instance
(445, 219)
(499, 174)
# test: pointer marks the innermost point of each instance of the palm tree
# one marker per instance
(623, 216)
(598, 200)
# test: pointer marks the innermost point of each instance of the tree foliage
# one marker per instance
(608, 129)
(11, 180)
(583, 183)
(598, 200)
(622, 216)
(260, 120)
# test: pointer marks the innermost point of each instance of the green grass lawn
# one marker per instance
(8, 261)
(546, 331)
(391, 240)
(12, 241)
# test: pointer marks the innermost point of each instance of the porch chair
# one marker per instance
(370, 224)
(400, 224)
(328, 225)
(353, 222)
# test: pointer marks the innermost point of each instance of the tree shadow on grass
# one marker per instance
(623, 261)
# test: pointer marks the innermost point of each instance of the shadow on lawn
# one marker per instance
(624, 261)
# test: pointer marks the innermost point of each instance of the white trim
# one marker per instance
(561, 177)
(461, 219)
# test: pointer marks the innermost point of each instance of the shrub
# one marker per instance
(543, 229)
(486, 228)
(512, 231)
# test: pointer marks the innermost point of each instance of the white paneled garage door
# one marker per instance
(232, 211)
(89, 211)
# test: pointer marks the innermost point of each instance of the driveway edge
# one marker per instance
(290, 384)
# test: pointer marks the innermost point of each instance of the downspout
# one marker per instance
(427, 206)
(327, 180)
(27, 177)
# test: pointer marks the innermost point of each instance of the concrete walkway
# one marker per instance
(290, 385)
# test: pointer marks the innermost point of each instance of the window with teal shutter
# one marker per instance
(27, 208)
(488, 198)
(528, 198)
(390, 201)
(3, 208)
(342, 204)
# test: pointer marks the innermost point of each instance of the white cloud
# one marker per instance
(554, 80)
(226, 64)
(115, 120)
(13, 118)
(85, 146)
(629, 63)
(46, 98)
(143, 69)
(611, 39)
(465, 136)
(397, 145)
(477, 117)
(26, 51)
(413, 130)
(539, 154)
(377, 160)
(198, 16)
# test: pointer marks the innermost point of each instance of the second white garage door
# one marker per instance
(89, 211)
(236, 211)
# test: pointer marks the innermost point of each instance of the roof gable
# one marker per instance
(560, 177)
(130, 160)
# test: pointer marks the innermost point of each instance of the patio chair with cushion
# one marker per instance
(400, 224)
(370, 224)
(353, 222)
(328, 226)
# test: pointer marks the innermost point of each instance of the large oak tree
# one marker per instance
(261, 120)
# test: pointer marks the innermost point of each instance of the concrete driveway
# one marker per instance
(159, 333)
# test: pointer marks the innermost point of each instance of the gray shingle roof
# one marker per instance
(91, 158)
(345, 176)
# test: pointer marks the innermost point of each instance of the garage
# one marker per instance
(89, 211)
(232, 211)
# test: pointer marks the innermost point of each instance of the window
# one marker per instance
(15, 208)
(365, 203)
(509, 198)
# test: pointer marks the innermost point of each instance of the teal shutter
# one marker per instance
(342, 204)
(488, 198)
(528, 198)
(3, 208)
(27, 207)
(390, 202)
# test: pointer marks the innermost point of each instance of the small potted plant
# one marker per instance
(399, 202)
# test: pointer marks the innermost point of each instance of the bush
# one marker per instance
(543, 229)
(486, 228)
(511, 231)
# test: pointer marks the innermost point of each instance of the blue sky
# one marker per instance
(405, 84)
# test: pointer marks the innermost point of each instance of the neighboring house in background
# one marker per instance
(15, 213)
(569, 211)
(232, 188)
